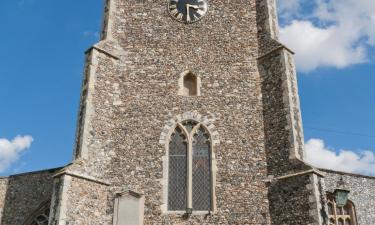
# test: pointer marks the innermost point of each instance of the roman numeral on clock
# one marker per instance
(179, 16)
(200, 12)
(174, 12)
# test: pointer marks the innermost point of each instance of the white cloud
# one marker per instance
(288, 7)
(336, 33)
(10, 151)
(89, 34)
(317, 47)
(321, 156)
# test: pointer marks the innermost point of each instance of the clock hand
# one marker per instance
(188, 6)
(192, 6)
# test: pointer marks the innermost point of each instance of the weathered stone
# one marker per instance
(131, 102)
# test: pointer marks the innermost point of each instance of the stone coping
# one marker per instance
(33, 172)
(131, 193)
(81, 176)
(346, 173)
(315, 171)
(102, 51)
(282, 46)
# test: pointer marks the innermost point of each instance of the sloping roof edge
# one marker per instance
(346, 173)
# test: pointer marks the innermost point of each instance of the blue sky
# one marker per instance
(41, 66)
(43, 44)
(334, 42)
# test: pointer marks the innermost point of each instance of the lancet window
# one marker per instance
(190, 168)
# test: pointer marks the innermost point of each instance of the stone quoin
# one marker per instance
(189, 114)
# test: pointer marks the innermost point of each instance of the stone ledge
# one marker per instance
(275, 50)
(314, 171)
(102, 51)
(80, 176)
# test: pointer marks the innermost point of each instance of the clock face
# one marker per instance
(187, 11)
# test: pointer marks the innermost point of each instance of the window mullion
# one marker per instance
(190, 173)
(335, 213)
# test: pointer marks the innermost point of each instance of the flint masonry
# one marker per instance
(189, 114)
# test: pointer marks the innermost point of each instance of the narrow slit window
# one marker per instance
(189, 84)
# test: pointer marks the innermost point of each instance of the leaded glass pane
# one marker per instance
(201, 171)
(177, 171)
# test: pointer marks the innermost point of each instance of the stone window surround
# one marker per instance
(352, 212)
(164, 139)
(181, 84)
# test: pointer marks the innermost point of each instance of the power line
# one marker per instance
(339, 132)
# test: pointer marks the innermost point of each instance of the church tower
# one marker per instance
(189, 114)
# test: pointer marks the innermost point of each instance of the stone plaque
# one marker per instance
(129, 208)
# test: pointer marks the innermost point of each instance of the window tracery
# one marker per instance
(341, 215)
(189, 170)
(40, 216)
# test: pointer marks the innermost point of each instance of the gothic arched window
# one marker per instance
(341, 215)
(39, 216)
(190, 169)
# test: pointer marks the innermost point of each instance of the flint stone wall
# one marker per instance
(289, 200)
(361, 193)
(130, 94)
(282, 117)
(133, 97)
(23, 194)
(91, 203)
